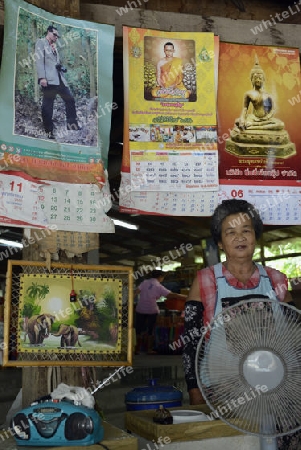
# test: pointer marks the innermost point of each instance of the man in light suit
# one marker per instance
(52, 81)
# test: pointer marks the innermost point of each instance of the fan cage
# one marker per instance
(232, 336)
(14, 357)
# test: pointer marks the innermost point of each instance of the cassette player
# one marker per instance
(57, 423)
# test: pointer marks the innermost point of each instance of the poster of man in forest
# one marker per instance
(57, 99)
(56, 81)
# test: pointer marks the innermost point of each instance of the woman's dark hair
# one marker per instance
(157, 274)
(233, 206)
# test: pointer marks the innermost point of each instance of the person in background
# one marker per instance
(235, 227)
(150, 290)
(51, 78)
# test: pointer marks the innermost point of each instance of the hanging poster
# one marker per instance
(71, 242)
(24, 202)
(68, 315)
(277, 204)
(170, 137)
(259, 112)
(83, 325)
(166, 203)
(56, 96)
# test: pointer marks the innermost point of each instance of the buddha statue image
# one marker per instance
(258, 132)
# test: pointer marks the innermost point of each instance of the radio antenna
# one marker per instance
(100, 385)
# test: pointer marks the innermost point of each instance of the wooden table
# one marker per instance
(114, 439)
(141, 423)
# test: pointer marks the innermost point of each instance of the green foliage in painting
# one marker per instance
(30, 307)
(33, 296)
(98, 316)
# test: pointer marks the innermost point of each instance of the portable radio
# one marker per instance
(57, 423)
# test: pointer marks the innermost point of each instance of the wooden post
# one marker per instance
(36, 380)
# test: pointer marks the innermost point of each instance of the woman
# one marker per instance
(235, 227)
(150, 291)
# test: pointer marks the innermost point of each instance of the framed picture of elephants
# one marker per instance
(63, 315)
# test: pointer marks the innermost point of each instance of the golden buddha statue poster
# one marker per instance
(258, 112)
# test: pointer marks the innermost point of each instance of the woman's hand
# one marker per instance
(195, 397)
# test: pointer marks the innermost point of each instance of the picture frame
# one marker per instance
(68, 315)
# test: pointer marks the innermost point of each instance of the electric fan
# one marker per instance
(248, 366)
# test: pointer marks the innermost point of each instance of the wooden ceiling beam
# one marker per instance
(236, 9)
(137, 253)
(276, 32)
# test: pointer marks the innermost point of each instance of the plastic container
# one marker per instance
(152, 396)
(184, 416)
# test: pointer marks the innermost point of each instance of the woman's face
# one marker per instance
(238, 237)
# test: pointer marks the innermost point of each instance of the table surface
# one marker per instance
(114, 439)
(142, 424)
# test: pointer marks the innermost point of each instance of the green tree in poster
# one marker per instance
(30, 308)
(34, 294)
(37, 291)
(97, 317)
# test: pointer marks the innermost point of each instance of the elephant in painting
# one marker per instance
(69, 335)
(38, 328)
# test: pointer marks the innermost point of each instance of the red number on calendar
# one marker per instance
(235, 193)
(12, 186)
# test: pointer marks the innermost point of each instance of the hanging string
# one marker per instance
(72, 293)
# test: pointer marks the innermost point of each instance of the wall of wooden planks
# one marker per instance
(233, 21)
(234, 9)
(228, 29)
(256, 10)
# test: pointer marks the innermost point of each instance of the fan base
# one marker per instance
(268, 443)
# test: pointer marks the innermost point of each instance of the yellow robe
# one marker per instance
(172, 80)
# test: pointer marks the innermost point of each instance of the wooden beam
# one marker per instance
(229, 30)
(237, 29)
(236, 9)
(256, 10)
